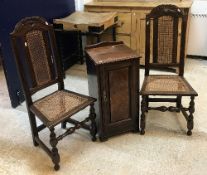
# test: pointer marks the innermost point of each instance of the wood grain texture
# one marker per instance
(142, 3)
(115, 84)
(119, 94)
(131, 19)
(83, 20)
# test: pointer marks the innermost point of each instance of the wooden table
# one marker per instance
(113, 78)
(89, 23)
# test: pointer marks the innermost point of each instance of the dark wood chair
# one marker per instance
(39, 66)
(165, 30)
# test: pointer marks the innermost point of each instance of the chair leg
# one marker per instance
(55, 155)
(147, 102)
(143, 110)
(190, 122)
(178, 103)
(93, 130)
(80, 48)
(33, 126)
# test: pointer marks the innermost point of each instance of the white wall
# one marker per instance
(197, 41)
(80, 4)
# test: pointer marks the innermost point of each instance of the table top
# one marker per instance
(82, 20)
(110, 54)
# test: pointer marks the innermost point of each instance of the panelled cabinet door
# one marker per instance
(138, 33)
(120, 98)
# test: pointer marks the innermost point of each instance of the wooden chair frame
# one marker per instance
(21, 29)
(153, 16)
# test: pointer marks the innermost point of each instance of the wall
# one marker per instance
(197, 42)
(80, 4)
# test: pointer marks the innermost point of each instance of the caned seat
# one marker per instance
(165, 31)
(39, 66)
(166, 85)
(59, 106)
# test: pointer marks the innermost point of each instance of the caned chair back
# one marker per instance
(165, 38)
(36, 56)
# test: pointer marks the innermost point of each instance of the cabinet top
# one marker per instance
(142, 3)
(111, 53)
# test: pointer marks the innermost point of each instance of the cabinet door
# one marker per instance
(120, 97)
(138, 33)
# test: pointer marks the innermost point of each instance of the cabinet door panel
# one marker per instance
(120, 87)
(119, 94)
(138, 33)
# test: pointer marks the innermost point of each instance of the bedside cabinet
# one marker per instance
(113, 78)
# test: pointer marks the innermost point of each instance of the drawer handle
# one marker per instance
(104, 96)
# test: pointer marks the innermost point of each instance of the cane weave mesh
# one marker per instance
(165, 83)
(38, 54)
(59, 104)
(165, 40)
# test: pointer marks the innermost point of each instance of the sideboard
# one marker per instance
(131, 25)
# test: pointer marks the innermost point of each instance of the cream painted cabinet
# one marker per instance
(131, 25)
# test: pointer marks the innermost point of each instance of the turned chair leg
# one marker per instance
(147, 103)
(81, 50)
(143, 110)
(93, 130)
(33, 126)
(190, 122)
(178, 103)
(55, 155)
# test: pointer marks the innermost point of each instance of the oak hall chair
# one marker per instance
(39, 66)
(165, 30)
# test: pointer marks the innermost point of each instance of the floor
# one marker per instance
(164, 149)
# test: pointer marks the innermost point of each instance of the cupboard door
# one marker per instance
(119, 94)
(138, 33)
(120, 98)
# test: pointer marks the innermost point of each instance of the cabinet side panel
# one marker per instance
(93, 87)
(119, 94)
